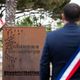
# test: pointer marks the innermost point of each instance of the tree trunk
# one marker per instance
(10, 12)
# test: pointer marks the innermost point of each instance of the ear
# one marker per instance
(63, 17)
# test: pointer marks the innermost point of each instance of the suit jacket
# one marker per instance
(59, 46)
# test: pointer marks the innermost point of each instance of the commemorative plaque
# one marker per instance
(22, 47)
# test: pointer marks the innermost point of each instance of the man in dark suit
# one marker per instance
(61, 44)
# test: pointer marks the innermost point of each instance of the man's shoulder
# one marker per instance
(53, 35)
(79, 27)
(55, 32)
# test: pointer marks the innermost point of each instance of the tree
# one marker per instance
(10, 12)
(54, 6)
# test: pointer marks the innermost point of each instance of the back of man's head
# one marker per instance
(72, 12)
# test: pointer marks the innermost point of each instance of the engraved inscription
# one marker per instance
(21, 73)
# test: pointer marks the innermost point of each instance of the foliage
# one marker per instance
(26, 21)
(48, 28)
(2, 1)
(1, 44)
(54, 6)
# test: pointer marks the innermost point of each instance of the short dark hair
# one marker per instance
(72, 12)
